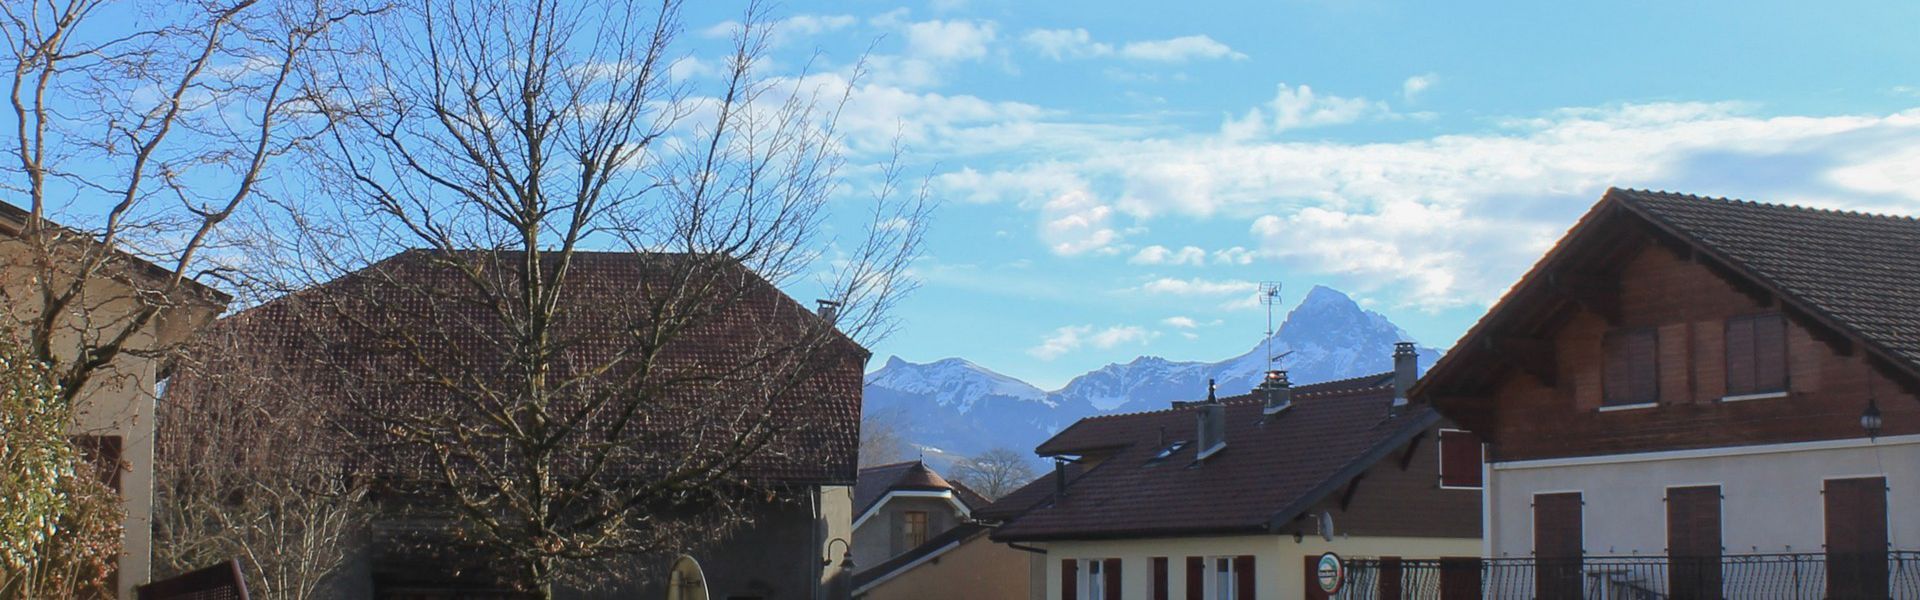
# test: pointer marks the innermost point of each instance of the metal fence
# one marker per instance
(1759, 576)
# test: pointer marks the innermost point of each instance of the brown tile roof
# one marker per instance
(385, 335)
(1270, 471)
(876, 481)
(1857, 274)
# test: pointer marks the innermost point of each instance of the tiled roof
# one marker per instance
(384, 336)
(1271, 468)
(1860, 270)
(876, 481)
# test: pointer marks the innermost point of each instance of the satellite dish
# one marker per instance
(1326, 526)
(686, 580)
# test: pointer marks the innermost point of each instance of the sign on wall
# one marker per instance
(1332, 573)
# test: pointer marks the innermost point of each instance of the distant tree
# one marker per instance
(882, 440)
(995, 472)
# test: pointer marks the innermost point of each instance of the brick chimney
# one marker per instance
(1406, 368)
(829, 311)
(1277, 391)
(1212, 417)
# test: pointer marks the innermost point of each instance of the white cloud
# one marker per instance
(787, 30)
(1233, 256)
(1180, 322)
(1169, 286)
(1062, 44)
(1180, 49)
(950, 40)
(1162, 255)
(1298, 107)
(1453, 219)
(1074, 222)
(1415, 85)
(1073, 337)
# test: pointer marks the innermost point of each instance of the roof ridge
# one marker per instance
(891, 464)
(1317, 388)
(1770, 205)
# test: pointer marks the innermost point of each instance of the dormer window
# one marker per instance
(1166, 452)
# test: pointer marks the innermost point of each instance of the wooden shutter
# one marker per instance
(1693, 542)
(1390, 577)
(1196, 578)
(1111, 571)
(1557, 545)
(1160, 586)
(1069, 579)
(1459, 459)
(1243, 577)
(1769, 353)
(1857, 537)
(1631, 373)
(1740, 351)
(1460, 578)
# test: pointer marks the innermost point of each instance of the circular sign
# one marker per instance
(1332, 573)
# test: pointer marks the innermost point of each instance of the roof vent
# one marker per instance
(1277, 391)
(1212, 417)
(829, 310)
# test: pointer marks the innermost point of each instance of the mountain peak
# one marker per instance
(1325, 297)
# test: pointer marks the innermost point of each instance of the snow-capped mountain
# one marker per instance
(963, 408)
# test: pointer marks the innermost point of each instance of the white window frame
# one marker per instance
(1095, 588)
(1221, 578)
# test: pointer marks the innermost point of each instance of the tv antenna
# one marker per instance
(1270, 297)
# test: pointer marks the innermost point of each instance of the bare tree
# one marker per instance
(881, 440)
(248, 467)
(573, 418)
(154, 122)
(995, 472)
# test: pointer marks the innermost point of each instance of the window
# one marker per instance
(1231, 578)
(1756, 354)
(1631, 373)
(1459, 459)
(102, 454)
(915, 528)
(1102, 581)
(1096, 588)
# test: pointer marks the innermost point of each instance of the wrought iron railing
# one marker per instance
(1875, 576)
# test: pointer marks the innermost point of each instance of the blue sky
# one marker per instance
(1116, 178)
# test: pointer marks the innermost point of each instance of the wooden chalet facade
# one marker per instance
(1701, 398)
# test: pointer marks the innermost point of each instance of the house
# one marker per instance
(1235, 498)
(348, 339)
(900, 506)
(115, 410)
(1696, 397)
(918, 537)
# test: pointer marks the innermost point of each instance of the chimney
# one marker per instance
(1406, 367)
(1212, 417)
(829, 311)
(1277, 391)
(1059, 478)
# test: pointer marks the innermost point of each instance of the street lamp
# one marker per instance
(1870, 420)
(846, 560)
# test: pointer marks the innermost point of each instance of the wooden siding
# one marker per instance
(1389, 500)
(1688, 304)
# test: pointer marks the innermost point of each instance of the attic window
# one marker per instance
(1166, 452)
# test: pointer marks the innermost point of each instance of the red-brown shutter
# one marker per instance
(1196, 578)
(1770, 353)
(1616, 376)
(1557, 545)
(1243, 577)
(1160, 585)
(1459, 459)
(1857, 537)
(1390, 577)
(1693, 542)
(1069, 579)
(1644, 346)
(1460, 578)
(1112, 573)
(1740, 351)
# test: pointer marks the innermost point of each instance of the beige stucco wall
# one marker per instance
(1279, 561)
(118, 400)
(976, 569)
(836, 523)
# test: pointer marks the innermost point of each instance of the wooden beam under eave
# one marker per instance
(1838, 341)
(1598, 294)
(1533, 355)
(1352, 486)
